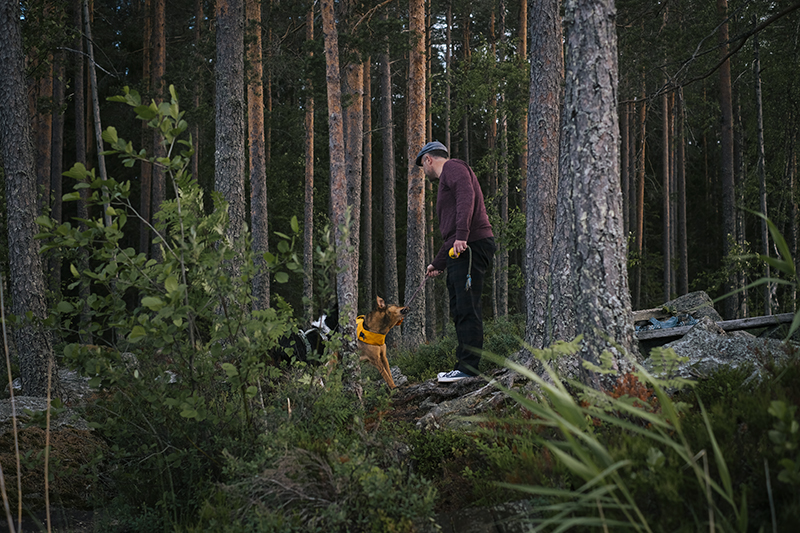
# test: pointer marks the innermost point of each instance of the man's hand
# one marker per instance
(460, 246)
(432, 272)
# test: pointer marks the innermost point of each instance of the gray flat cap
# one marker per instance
(430, 147)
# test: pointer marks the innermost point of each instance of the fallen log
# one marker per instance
(727, 325)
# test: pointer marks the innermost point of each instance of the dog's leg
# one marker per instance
(386, 371)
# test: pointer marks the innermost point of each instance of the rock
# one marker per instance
(698, 304)
(708, 347)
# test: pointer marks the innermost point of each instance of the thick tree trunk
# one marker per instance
(413, 325)
(544, 107)
(346, 289)
(592, 299)
(353, 93)
(258, 170)
(230, 107)
(33, 343)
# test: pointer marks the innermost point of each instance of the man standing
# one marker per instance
(465, 228)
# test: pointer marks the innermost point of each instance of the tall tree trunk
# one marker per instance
(57, 162)
(502, 255)
(98, 128)
(146, 170)
(158, 185)
(353, 93)
(390, 275)
(637, 294)
(79, 78)
(366, 215)
(666, 217)
(42, 112)
(448, 62)
(308, 226)
(229, 157)
(625, 177)
(726, 158)
(413, 325)
(258, 171)
(522, 52)
(346, 289)
(683, 230)
(593, 299)
(762, 175)
(195, 126)
(34, 346)
(544, 108)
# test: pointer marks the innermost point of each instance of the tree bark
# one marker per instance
(33, 343)
(666, 218)
(308, 226)
(683, 230)
(392, 292)
(353, 93)
(230, 107)
(57, 163)
(366, 215)
(413, 325)
(762, 175)
(637, 294)
(589, 268)
(159, 177)
(258, 170)
(146, 170)
(726, 157)
(544, 108)
(346, 277)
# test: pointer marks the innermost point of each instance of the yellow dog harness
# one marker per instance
(366, 336)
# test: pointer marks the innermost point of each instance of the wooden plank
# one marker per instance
(727, 325)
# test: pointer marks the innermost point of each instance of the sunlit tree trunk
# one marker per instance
(413, 325)
(258, 171)
(544, 108)
(346, 276)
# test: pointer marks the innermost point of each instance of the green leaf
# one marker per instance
(74, 270)
(295, 225)
(136, 334)
(110, 135)
(230, 370)
(281, 277)
(152, 303)
(171, 284)
(65, 307)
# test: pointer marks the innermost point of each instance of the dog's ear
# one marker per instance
(381, 303)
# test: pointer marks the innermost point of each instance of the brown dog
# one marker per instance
(371, 330)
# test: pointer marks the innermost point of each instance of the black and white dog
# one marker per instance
(307, 345)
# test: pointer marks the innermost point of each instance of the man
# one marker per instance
(465, 228)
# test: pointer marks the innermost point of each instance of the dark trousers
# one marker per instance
(465, 305)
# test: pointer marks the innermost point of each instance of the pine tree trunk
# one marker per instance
(258, 170)
(57, 164)
(762, 176)
(195, 126)
(366, 215)
(158, 185)
(683, 230)
(641, 161)
(353, 94)
(146, 170)
(308, 214)
(230, 107)
(726, 162)
(591, 295)
(413, 325)
(392, 292)
(666, 218)
(33, 343)
(346, 277)
(547, 74)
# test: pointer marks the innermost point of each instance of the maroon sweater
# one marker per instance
(460, 208)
